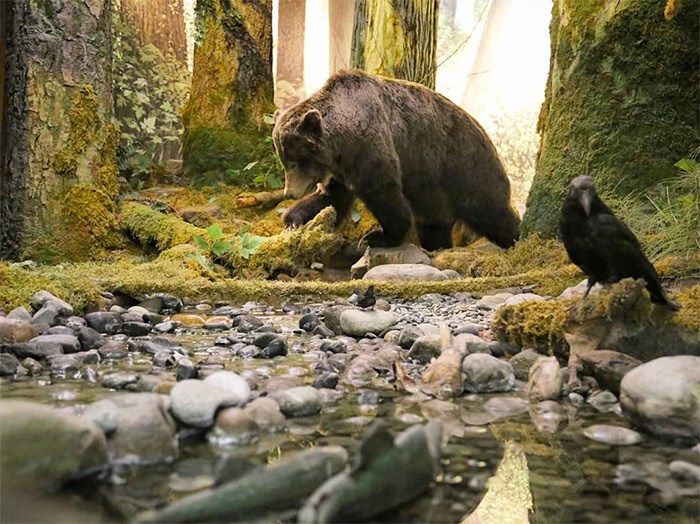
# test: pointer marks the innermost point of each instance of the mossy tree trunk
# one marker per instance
(59, 138)
(232, 88)
(621, 100)
(397, 38)
(289, 68)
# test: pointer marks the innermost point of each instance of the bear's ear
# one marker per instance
(311, 123)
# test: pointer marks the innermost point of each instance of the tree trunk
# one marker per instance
(160, 23)
(232, 88)
(58, 175)
(289, 70)
(341, 14)
(621, 100)
(397, 38)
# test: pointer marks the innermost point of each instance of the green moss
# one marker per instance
(90, 222)
(153, 227)
(481, 260)
(689, 316)
(84, 125)
(621, 101)
(538, 325)
(106, 168)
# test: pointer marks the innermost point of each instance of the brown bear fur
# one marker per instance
(411, 155)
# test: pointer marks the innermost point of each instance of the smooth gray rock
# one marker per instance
(613, 435)
(522, 362)
(378, 256)
(119, 380)
(490, 302)
(45, 447)
(20, 313)
(403, 272)
(544, 380)
(9, 365)
(266, 413)
(425, 348)
(487, 374)
(357, 322)
(195, 402)
(104, 414)
(67, 343)
(663, 396)
(298, 401)
(41, 298)
(90, 338)
(104, 321)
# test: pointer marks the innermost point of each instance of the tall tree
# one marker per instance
(232, 88)
(58, 178)
(341, 15)
(289, 73)
(158, 22)
(621, 99)
(397, 38)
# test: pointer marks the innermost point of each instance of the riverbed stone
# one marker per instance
(487, 374)
(67, 343)
(544, 379)
(195, 402)
(145, 430)
(104, 414)
(613, 435)
(663, 396)
(266, 413)
(491, 302)
(404, 272)
(425, 348)
(247, 323)
(185, 369)
(357, 322)
(276, 348)
(104, 322)
(9, 365)
(188, 319)
(119, 380)
(13, 331)
(136, 329)
(45, 447)
(41, 298)
(113, 349)
(20, 313)
(234, 424)
(89, 338)
(298, 401)
(607, 367)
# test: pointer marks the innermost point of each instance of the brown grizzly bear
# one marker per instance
(411, 155)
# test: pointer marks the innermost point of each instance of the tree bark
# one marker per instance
(289, 73)
(160, 23)
(57, 117)
(341, 14)
(232, 88)
(397, 38)
(621, 100)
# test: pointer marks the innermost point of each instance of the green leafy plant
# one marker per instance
(213, 246)
(250, 244)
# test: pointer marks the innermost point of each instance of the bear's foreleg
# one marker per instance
(334, 194)
(391, 209)
(434, 236)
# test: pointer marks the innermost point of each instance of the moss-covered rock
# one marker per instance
(150, 226)
(621, 100)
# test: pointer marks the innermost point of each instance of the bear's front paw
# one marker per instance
(377, 238)
(293, 220)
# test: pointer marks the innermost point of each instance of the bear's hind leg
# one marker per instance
(434, 236)
(501, 226)
(334, 194)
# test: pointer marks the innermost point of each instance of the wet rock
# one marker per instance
(32, 366)
(608, 367)
(42, 298)
(228, 311)
(185, 369)
(195, 402)
(356, 322)
(164, 359)
(13, 331)
(104, 322)
(327, 380)
(67, 343)
(425, 348)
(408, 335)
(69, 365)
(491, 302)
(298, 401)
(47, 447)
(309, 322)
(266, 413)
(522, 362)
(89, 338)
(613, 435)
(547, 416)
(113, 349)
(544, 380)
(59, 330)
(502, 349)
(9, 365)
(188, 319)
(75, 323)
(276, 348)
(145, 430)
(603, 401)
(119, 380)
(247, 323)
(471, 328)
(218, 323)
(404, 272)
(136, 329)
(661, 396)
(152, 304)
(247, 351)
(334, 346)
(145, 345)
(264, 339)
(685, 471)
(233, 425)
(104, 414)
(20, 313)
(467, 343)
(487, 374)
(331, 318)
(576, 399)
(165, 327)
(38, 352)
(502, 407)
(323, 331)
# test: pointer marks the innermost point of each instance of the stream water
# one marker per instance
(571, 478)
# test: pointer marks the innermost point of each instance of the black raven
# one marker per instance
(601, 244)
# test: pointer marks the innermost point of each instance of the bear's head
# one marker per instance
(299, 139)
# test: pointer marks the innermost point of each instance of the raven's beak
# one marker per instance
(585, 200)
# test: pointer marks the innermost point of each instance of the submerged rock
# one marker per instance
(487, 374)
(613, 435)
(663, 396)
(42, 447)
(544, 382)
(298, 401)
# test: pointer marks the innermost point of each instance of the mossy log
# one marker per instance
(57, 112)
(621, 101)
(232, 87)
